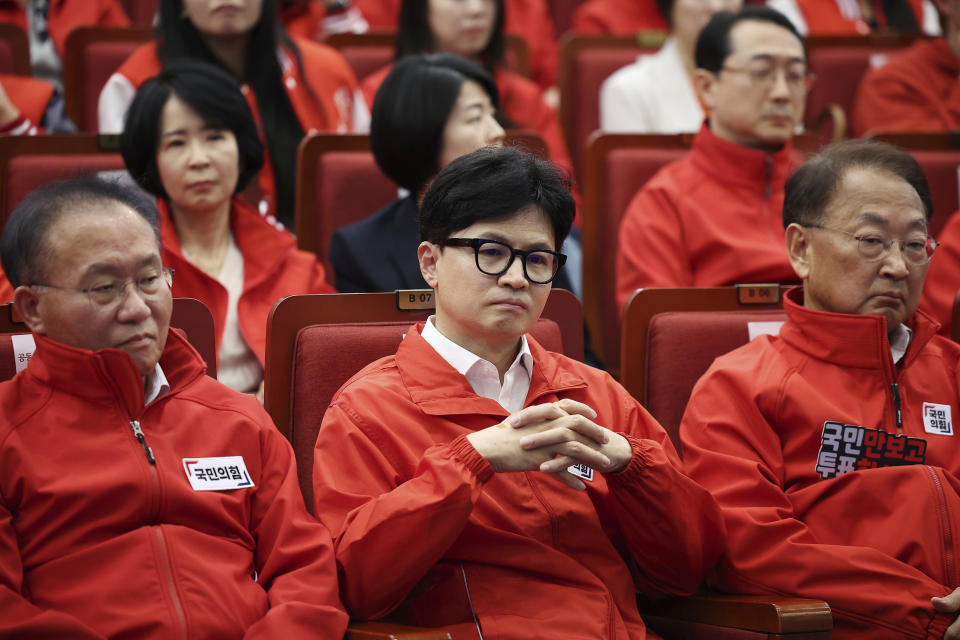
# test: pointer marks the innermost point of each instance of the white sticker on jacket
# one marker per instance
(23, 348)
(936, 419)
(217, 474)
(582, 471)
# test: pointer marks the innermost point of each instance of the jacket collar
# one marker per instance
(262, 244)
(109, 376)
(944, 58)
(731, 162)
(848, 340)
(438, 389)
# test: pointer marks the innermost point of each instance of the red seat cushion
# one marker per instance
(25, 173)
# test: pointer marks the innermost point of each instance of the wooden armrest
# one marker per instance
(392, 631)
(767, 614)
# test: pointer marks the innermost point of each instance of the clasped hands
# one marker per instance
(551, 437)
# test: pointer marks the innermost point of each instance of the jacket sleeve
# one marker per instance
(379, 518)
(671, 524)
(294, 555)
(650, 249)
(943, 278)
(732, 450)
(19, 618)
(115, 99)
(891, 100)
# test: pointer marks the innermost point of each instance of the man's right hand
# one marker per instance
(949, 603)
(581, 439)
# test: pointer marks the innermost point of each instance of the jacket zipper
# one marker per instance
(895, 391)
(166, 568)
(948, 563)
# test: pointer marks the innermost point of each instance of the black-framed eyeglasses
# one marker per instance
(873, 247)
(108, 292)
(540, 266)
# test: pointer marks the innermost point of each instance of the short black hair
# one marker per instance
(713, 44)
(213, 94)
(495, 182)
(23, 249)
(414, 34)
(814, 184)
(411, 110)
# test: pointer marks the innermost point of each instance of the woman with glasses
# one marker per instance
(474, 29)
(191, 140)
(293, 86)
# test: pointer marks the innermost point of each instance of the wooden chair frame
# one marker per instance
(73, 60)
(292, 313)
(20, 45)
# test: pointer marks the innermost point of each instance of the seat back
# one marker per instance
(339, 183)
(141, 12)
(27, 162)
(91, 56)
(838, 63)
(939, 156)
(315, 343)
(617, 166)
(369, 52)
(190, 316)
(14, 50)
(671, 336)
(585, 62)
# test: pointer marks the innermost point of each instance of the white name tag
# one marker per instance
(23, 348)
(582, 471)
(936, 419)
(217, 474)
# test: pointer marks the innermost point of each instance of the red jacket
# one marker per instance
(30, 96)
(273, 267)
(96, 542)
(529, 19)
(943, 278)
(618, 17)
(521, 101)
(823, 494)
(918, 90)
(66, 15)
(711, 218)
(417, 513)
(824, 18)
(328, 75)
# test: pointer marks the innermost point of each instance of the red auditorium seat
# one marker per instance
(92, 55)
(141, 12)
(14, 50)
(585, 62)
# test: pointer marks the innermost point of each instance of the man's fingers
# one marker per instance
(565, 429)
(573, 407)
(953, 631)
(536, 413)
(571, 481)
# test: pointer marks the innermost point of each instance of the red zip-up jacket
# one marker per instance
(66, 15)
(825, 493)
(422, 523)
(943, 278)
(711, 218)
(273, 267)
(96, 541)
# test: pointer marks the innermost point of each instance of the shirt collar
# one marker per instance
(463, 360)
(899, 341)
(155, 385)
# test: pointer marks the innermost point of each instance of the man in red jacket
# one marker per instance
(138, 496)
(831, 446)
(477, 482)
(713, 217)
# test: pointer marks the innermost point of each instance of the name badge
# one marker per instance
(581, 471)
(217, 474)
(937, 419)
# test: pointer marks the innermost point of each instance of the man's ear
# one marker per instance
(798, 249)
(705, 83)
(428, 254)
(27, 303)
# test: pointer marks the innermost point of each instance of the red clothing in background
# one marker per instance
(943, 278)
(618, 17)
(917, 90)
(823, 494)
(66, 15)
(711, 218)
(422, 523)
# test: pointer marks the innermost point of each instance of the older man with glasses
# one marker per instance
(831, 447)
(139, 498)
(477, 482)
(713, 217)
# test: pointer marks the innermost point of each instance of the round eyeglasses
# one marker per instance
(108, 292)
(916, 249)
(493, 258)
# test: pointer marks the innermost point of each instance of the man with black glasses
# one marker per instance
(831, 447)
(477, 482)
(139, 498)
